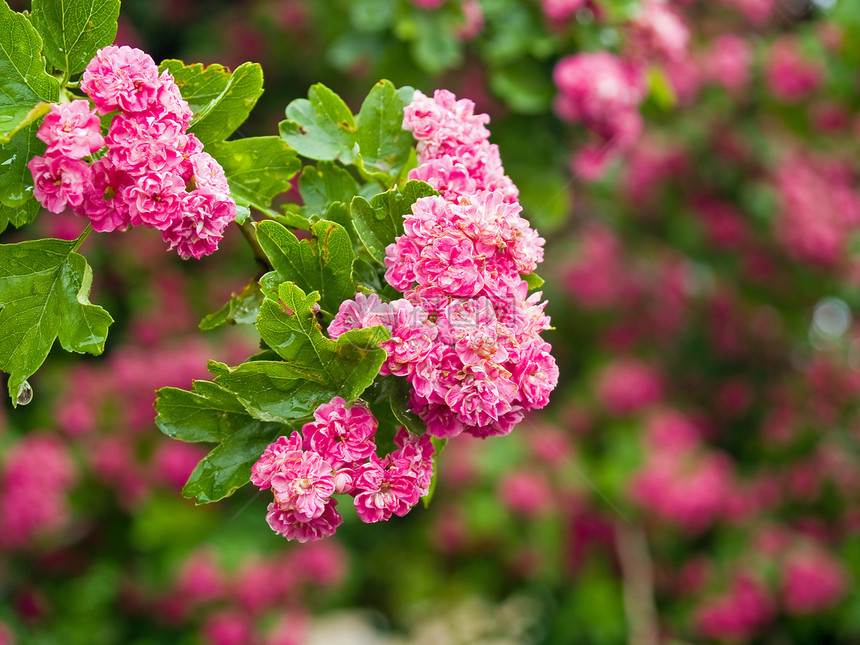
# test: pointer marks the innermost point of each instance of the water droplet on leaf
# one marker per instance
(14, 195)
(25, 393)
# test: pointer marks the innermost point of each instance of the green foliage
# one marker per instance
(322, 127)
(213, 414)
(321, 263)
(380, 220)
(257, 168)
(325, 183)
(231, 97)
(17, 205)
(347, 365)
(44, 289)
(241, 309)
(73, 30)
(24, 83)
(533, 280)
(393, 392)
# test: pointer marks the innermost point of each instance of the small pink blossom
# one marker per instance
(121, 78)
(293, 526)
(341, 435)
(59, 181)
(71, 130)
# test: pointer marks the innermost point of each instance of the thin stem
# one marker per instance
(250, 235)
(83, 236)
(632, 545)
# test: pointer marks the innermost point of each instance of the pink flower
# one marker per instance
(198, 224)
(729, 62)
(121, 78)
(296, 527)
(359, 313)
(656, 30)
(560, 10)
(789, 75)
(383, 488)
(341, 435)
(627, 385)
(536, 374)
(738, 614)
(155, 199)
(228, 627)
(812, 581)
(273, 459)
(526, 493)
(59, 181)
(71, 130)
(303, 484)
(103, 201)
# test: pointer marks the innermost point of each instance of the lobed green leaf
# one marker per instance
(321, 127)
(220, 117)
(380, 220)
(44, 289)
(257, 168)
(321, 263)
(24, 83)
(73, 30)
(383, 143)
(17, 204)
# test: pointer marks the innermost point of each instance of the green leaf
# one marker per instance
(393, 391)
(257, 168)
(379, 221)
(533, 280)
(383, 143)
(321, 263)
(228, 466)
(438, 445)
(219, 118)
(17, 204)
(660, 89)
(200, 85)
(271, 391)
(321, 127)
(348, 365)
(241, 309)
(325, 183)
(210, 413)
(23, 80)
(73, 30)
(44, 289)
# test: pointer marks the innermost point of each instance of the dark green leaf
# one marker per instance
(348, 365)
(44, 289)
(272, 391)
(257, 168)
(394, 391)
(72, 30)
(218, 119)
(321, 263)
(23, 80)
(241, 309)
(321, 127)
(199, 85)
(325, 183)
(379, 221)
(17, 204)
(209, 413)
(228, 466)
(383, 143)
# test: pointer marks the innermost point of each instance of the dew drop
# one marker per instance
(13, 195)
(25, 393)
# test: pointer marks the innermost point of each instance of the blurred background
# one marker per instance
(694, 168)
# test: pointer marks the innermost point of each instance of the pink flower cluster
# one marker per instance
(37, 475)
(454, 152)
(467, 335)
(148, 170)
(336, 454)
(603, 92)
